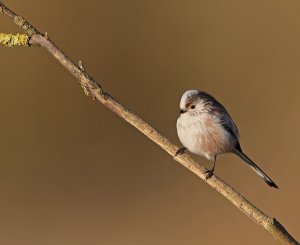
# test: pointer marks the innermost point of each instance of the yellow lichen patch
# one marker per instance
(85, 90)
(10, 40)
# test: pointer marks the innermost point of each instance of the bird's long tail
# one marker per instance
(257, 170)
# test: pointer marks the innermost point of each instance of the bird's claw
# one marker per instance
(180, 151)
(209, 173)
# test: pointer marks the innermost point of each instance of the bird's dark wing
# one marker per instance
(219, 110)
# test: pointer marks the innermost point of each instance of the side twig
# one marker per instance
(90, 86)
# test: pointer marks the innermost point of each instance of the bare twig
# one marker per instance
(271, 225)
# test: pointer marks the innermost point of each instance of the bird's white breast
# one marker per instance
(202, 134)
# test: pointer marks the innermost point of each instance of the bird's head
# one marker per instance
(191, 102)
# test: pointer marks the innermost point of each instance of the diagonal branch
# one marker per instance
(93, 88)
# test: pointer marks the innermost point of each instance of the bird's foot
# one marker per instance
(209, 173)
(180, 151)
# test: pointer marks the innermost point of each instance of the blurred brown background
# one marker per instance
(72, 173)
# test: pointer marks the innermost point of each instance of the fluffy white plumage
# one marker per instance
(205, 128)
(200, 130)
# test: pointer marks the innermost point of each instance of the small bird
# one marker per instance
(205, 128)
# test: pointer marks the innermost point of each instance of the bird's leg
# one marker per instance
(210, 172)
(180, 151)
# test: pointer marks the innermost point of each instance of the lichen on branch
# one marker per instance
(11, 40)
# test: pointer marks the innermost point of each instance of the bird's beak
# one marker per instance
(182, 111)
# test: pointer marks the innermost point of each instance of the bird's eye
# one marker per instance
(193, 107)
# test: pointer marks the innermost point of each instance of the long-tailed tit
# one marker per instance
(205, 128)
